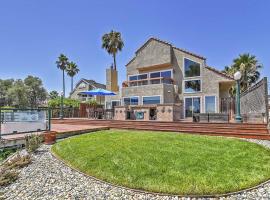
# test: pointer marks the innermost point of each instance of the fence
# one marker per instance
(15, 121)
(254, 102)
(67, 112)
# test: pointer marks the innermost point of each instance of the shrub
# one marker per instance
(33, 142)
(7, 177)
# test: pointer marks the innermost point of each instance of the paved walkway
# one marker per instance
(48, 178)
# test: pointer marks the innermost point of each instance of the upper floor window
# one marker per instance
(192, 69)
(139, 79)
(192, 86)
(131, 101)
(162, 74)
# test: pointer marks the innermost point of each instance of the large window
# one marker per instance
(139, 79)
(151, 100)
(210, 104)
(165, 74)
(131, 101)
(192, 86)
(192, 69)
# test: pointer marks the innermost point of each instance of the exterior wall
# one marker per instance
(154, 53)
(112, 80)
(168, 112)
(165, 91)
(254, 102)
(120, 113)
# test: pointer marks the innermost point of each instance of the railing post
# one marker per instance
(49, 118)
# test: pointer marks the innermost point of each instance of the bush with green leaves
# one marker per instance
(55, 103)
(33, 142)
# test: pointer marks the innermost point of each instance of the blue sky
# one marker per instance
(33, 33)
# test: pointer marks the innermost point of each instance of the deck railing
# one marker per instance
(149, 81)
(15, 121)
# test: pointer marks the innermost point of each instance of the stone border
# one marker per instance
(156, 193)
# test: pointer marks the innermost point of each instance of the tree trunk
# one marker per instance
(63, 83)
(114, 61)
(71, 84)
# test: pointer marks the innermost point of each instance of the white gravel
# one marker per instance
(48, 178)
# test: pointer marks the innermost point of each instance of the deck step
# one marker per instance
(247, 130)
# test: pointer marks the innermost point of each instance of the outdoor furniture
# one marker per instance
(211, 117)
(90, 112)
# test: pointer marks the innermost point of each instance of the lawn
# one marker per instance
(167, 162)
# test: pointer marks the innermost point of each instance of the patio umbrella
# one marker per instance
(99, 92)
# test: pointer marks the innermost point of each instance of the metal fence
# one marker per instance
(15, 121)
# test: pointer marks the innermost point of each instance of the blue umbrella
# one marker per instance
(99, 92)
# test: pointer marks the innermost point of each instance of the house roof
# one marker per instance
(167, 43)
(219, 72)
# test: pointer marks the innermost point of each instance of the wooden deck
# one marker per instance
(247, 130)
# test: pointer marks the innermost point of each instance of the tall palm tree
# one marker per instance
(72, 70)
(113, 43)
(249, 67)
(62, 64)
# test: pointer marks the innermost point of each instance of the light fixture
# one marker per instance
(237, 76)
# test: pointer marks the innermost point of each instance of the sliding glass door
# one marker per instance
(192, 106)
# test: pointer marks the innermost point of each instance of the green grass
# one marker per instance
(167, 162)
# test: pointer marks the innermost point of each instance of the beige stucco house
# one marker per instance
(166, 83)
(85, 85)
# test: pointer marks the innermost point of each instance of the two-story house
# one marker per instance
(167, 83)
(85, 85)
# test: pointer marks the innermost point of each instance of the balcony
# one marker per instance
(151, 81)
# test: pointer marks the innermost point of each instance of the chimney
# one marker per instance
(112, 80)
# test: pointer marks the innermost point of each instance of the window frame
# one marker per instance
(160, 99)
(215, 102)
(201, 103)
(184, 72)
(149, 74)
(123, 101)
(196, 79)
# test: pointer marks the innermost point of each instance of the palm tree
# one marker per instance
(72, 70)
(62, 63)
(113, 43)
(249, 67)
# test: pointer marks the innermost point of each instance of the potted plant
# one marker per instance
(50, 137)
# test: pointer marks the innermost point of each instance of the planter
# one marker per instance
(50, 137)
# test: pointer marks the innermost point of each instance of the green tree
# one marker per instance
(18, 94)
(53, 94)
(62, 64)
(4, 86)
(72, 70)
(36, 93)
(112, 43)
(249, 67)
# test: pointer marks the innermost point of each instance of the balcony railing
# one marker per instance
(150, 81)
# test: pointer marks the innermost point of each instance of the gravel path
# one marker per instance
(48, 178)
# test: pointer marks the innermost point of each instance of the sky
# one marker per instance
(33, 33)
